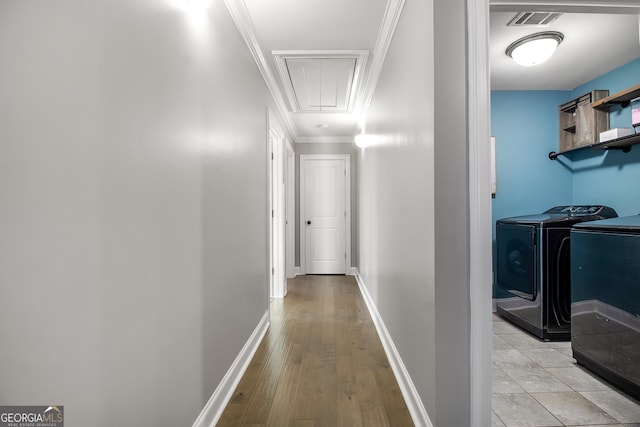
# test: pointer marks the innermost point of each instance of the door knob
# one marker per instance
(308, 222)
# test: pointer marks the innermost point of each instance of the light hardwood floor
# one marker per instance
(321, 363)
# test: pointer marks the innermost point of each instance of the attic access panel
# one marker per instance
(321, 81)
(321, 84)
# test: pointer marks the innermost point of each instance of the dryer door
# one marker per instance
(516, 253)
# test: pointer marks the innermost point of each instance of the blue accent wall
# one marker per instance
(525, 125)
(615, 81)
(611, 178)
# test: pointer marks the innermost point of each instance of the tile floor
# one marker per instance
(537, 383)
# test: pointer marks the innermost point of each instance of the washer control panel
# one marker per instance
(600, 210)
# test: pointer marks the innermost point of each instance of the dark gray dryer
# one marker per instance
(605, 295)
(533, 267)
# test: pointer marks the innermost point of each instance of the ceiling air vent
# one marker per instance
(533, 19)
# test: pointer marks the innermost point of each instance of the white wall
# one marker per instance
(452, 238)
(133, 239)
(396, 195)
(413, 204)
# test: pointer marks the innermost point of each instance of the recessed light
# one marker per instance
(322, 125)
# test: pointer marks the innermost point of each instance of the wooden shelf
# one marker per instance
(625, 143)
(602, 101)
(621, 98)
(579, 124)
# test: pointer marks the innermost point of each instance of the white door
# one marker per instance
(325, 215)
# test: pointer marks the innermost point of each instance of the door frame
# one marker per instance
(479, 108)
(290, 211)
(276, 210)
(347, 190)
(480, 223)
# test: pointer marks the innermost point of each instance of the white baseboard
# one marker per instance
(217, 403)
(414, 403)
(297, 271)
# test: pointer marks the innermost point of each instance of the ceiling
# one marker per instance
(321, 25)
(593, 45)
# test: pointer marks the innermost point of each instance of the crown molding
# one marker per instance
(240, 15)
(385, 35)
(573, 6)
(325, 140)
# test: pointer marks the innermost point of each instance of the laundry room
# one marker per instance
(566, 205)
(526, 130)
(525, 126)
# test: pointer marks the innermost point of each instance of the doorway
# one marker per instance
(499, 328)
(325, 214)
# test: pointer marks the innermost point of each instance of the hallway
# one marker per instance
(135, 169)
(321, 363)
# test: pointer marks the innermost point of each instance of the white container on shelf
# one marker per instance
(614, 133)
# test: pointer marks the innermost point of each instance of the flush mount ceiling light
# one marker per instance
(534, 49)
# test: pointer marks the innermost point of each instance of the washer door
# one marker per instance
(516, 266)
